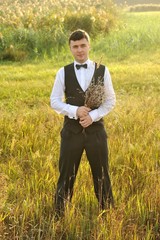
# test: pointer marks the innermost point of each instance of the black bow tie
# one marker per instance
(78, 66)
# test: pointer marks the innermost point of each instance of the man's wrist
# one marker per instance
(77, 112)
(91, 114)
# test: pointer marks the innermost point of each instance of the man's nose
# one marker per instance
(79, 49)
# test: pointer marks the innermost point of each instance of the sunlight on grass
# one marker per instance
(29, 152)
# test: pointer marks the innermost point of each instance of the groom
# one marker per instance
(83, 128)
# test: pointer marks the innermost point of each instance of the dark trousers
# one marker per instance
(72, 147)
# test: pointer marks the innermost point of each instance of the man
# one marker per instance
(83, 127)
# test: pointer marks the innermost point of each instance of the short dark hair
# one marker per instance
(78, 35)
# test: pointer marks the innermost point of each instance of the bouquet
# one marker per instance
(95, 94)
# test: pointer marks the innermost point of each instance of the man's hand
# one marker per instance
(85, 121)
(82, 111)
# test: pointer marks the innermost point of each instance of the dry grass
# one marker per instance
(29, 149)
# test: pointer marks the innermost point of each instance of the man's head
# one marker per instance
(79, 43)
(78, 35)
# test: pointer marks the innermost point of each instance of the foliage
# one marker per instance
(40, 27)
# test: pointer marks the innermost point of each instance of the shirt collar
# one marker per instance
(89, 63)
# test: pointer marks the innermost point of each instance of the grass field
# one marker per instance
(29, 144)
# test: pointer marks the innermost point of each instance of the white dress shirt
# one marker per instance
(84, 77)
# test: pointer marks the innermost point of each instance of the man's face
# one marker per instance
(80, 49)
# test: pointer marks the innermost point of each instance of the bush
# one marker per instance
(12, 54)
(145, 8)
(94, 23)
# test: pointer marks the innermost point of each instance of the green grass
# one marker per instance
(29, 150)
(138, 34)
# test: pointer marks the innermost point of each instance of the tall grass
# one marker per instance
(132, 38)
(29, 151)
(39, 28)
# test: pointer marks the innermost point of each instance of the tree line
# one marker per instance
(134, 2)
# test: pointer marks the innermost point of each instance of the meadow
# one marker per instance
(29, 143)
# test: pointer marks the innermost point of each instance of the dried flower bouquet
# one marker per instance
(95, 94)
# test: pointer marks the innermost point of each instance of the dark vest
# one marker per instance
(74, 95)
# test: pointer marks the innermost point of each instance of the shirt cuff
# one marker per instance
(73, 112)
